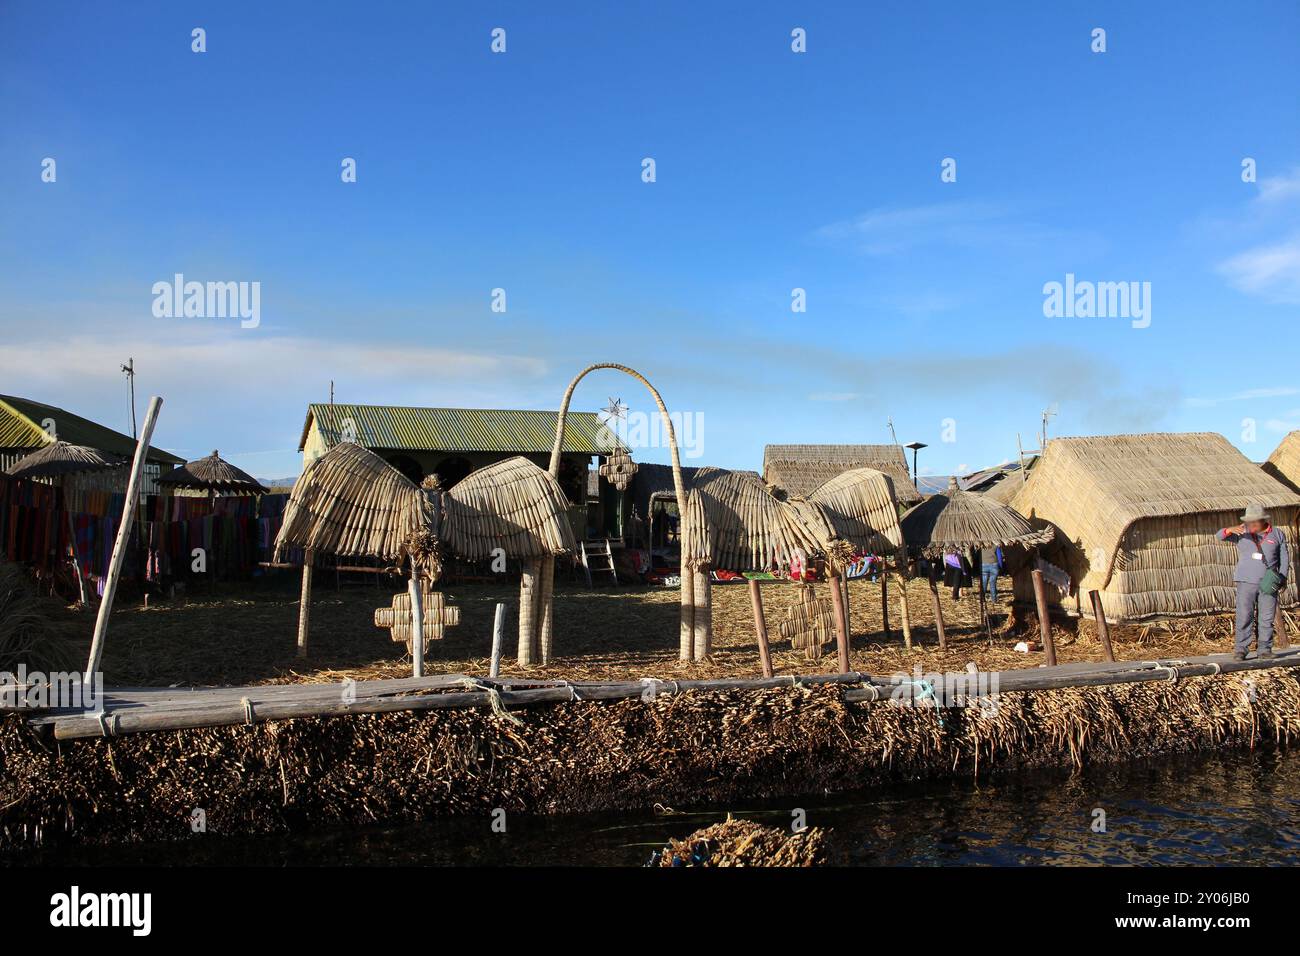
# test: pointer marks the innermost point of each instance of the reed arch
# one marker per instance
(696, 593)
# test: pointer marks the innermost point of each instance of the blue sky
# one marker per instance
(775, 171)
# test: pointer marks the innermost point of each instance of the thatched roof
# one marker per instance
(61, 458)
(857, 507)
(1146, 507)
(511, 504)
(213, 473)
(963, 519)
(798, 470)
(746, 527)
(1284, 463)
(350, 502)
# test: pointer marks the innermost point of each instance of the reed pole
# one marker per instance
(903, 612)
(304, 602)
(498, 636)
(417, 621)
(129, 508)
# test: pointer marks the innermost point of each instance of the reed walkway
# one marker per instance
(128, 710)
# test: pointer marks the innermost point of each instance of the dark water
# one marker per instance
(1236, 808)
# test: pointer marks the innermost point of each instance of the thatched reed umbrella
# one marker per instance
(352, 503)
(696, 638)
(958, 521)
(214, 475)
(59, 460)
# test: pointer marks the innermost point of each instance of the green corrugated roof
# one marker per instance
(458, 429)
(20, 427)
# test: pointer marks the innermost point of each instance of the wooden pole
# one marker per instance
(1044, 621)
(81, 580)
(848, 608)
(904, 613)
(760, 628)
(498, 636)
(1103, 629)
(123, 536)
(304, 602)
(417, 622)
(841, 622)
(984, 610)
(1281, 639)
(938, 616)
(884, 606)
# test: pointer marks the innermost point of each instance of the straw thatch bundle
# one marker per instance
(798, 470)
(746, 843)
(512, 504)
(212, 473)
(1284, 463)
(351, 503)
(60, 458)
(856, 509)
(1137, 517)
(961, 520)
(732, 521)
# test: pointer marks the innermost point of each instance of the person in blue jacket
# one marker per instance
(1261, 548)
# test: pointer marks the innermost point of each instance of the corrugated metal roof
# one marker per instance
(457, 429)
(20, 427)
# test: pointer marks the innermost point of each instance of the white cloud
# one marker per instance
(833, 396)
(976, 225)
(1250, 394)
(1270, 271)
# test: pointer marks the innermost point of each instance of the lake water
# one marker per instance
(1233, 808)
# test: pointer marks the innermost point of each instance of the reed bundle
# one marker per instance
(746, 843)
(857, 508)
(350, 502)
(512, 504)
(678, 750)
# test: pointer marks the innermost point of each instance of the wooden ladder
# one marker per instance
(598, 558)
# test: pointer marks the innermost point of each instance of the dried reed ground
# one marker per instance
(674, 751)
(247, 634)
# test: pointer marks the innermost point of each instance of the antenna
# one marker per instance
(129, 369)
(1042, 442)
(331, 391)
(890, 422)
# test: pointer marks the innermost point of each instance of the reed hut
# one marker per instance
(213, 475)
(64, 464)
(352, 503)
(796, 471)
(1137, 516)
(1284, 463)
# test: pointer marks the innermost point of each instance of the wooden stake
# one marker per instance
(984, 611)
(884, 606)
(1103, 629)
(938, 616)
(1281, 639)
(841, 622)
(304, 603)
(417, 622)
(123, 536)
(498, 636)
(76, 565)
(904, 613)
(760, 628)
(1044, 621)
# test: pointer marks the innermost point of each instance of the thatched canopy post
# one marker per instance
(1044, 619)
(123, 536)
(1103, 628)
(530, 573)
(304, 603)
(841, 620)
(904, 612)
(938, 615)
(417, 621)
(760, 627)
(688, 602)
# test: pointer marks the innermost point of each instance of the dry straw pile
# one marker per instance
(746, 843)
